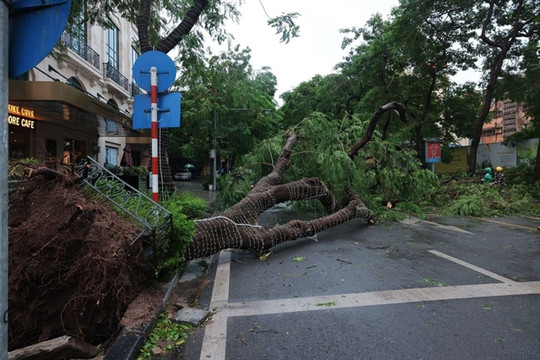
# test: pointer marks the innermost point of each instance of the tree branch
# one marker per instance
(238, 226)
(215, 234)
(395, 106)
(143, 22)
(191, 18)
(282, 164)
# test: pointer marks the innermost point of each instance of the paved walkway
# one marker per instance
(195, 186)
(449, 288)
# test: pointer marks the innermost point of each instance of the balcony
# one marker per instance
(135, 90)
(112, 73)
(81, 48)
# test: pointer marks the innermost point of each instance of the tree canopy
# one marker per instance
(239, 97)
(412, 57)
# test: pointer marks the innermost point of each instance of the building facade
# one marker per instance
(508, 117)
(78, 101)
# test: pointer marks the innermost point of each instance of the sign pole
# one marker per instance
(153, 60)
(154, 131)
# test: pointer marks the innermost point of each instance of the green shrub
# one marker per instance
(514, 197)
(234, 186)
(184, 208)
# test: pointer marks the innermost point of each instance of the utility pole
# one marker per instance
(4, 51)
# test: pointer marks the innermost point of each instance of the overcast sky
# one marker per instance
(317, 50)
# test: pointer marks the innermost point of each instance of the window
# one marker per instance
(112, 103)
(72, 81)
(78, 31)
(134, 56)
(111, 156)
(111, 128)
(50, 148)
(111, 38)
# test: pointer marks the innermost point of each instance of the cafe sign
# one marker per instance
(21, 116)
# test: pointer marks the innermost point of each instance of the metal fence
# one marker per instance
(81, 48)
(156, 220)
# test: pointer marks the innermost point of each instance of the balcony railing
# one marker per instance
(135, 90)
(81, 48)
(112, 73)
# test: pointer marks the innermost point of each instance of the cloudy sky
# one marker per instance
(317, 49)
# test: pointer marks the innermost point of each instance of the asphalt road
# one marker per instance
(447, 288)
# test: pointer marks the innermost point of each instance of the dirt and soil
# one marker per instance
(72, 270)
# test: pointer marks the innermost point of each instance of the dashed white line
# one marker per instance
(473, 267)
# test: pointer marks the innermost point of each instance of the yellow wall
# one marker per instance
(459, 161)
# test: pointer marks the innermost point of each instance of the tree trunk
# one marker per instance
(537, 164)
(504, 44)
(496, 67)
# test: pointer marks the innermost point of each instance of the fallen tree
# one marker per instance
(73, 271)
(237, 227)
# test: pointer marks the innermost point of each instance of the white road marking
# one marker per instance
(215, 332)
(341, 301)
(504, 223)
(414, 221)
(215, 335)
(448, 227)
(473, 267)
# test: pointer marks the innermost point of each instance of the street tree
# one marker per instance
(411, 57)
(231, 95)
(331, 94)
(505, 31)
(322, 160)
(520, 84)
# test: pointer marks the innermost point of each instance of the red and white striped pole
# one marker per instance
(154, 131)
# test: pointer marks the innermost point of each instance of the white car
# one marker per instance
(182, 174)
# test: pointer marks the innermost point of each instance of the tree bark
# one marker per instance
(168, 43)
(191, 18)
(537, 164)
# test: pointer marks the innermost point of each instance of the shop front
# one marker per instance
(58, 124)
(21, 128)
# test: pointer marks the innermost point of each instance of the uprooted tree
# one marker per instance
(74, 271)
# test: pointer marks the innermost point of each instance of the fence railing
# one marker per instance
(156, 220)
(135, 90)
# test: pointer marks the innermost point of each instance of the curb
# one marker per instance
(130, 342)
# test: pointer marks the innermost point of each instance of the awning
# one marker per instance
(62, 104)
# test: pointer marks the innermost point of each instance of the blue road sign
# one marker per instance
(168, 111)
(164, 65)
(34, 29)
